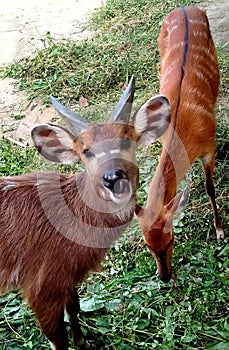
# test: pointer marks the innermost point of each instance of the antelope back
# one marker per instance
(189, 78)
(189, 75)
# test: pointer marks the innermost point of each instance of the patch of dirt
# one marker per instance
(14, 103)
(23, 25)
(18, 115)
(218, 15)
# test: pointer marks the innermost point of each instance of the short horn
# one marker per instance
(75, 121)
(122, 110)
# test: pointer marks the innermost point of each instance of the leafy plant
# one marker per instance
(126, 306)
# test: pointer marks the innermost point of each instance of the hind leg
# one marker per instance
(208, 166)
(72, 310)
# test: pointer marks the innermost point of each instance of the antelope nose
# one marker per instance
(116, 181)
(111, 177)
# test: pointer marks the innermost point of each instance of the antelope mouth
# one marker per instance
(122, 189)
(120, 193)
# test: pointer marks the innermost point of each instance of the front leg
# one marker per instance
(50, 315)
(72, 310)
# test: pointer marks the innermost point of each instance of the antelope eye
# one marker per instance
(125, 144)
(88, 153)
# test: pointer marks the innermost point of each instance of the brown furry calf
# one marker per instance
(54, 228)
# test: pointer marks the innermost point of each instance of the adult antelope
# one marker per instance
(189, 78)
(54, 228)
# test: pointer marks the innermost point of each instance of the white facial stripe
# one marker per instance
(103, 154)
(100, 155)
(115, 151)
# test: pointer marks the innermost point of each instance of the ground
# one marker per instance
(23, 32)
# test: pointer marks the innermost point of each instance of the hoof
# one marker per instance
(219, 234)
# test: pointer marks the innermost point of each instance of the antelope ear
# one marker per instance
(138, 210)
(54, 143)
(152, 119)
(175, 207)
(177, 204)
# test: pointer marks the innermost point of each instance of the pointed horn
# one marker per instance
(122, 110)
(74, 120)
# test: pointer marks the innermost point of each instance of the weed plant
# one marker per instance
(126, 307)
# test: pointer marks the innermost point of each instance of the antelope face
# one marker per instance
(159, 238)
(108, 152)
(157, 229)
(161, 245)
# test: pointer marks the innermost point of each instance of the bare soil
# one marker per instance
(14, 103)
(24, 25)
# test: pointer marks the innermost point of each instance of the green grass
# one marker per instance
(126, 306)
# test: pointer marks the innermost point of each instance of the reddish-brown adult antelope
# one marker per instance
(54, 228)
(189, 78)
